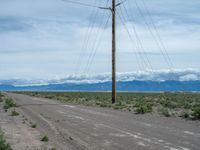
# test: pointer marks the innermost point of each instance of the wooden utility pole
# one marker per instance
(113, 10)
(113, 52)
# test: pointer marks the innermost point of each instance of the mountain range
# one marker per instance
(145, 86)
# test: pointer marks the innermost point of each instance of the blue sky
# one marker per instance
(45, 38)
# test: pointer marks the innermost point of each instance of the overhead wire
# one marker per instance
(92, 20)
(80, 3)
(152, 34)
(151, 71)
(97, 40)
(158, 34)
(139, 40)
(97, 45)
(184, 87)
(140, 63)
(157, 38)
(140, 49)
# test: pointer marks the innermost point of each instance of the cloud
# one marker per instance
(189, 77)
(148, 75)
(9, 24)
(45, 38)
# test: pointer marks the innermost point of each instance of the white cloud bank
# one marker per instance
(149, 75)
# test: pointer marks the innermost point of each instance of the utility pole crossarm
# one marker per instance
(107, 8)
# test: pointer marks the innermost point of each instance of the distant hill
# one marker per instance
(148, 86)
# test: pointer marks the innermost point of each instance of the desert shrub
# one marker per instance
(9, 103)
(144, 108)
(167, 103)
(196, 112)
(33, 126)
(45, 139)
(117, 107)
(1, 97)
(14, 113)
(187, 105)
(186, 115)
(98, 103)
(103, 105)
(165, 112)
(49, 96)
(3, 144)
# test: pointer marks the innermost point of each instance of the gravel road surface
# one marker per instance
(74, 127)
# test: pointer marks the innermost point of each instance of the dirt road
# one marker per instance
(72, 127)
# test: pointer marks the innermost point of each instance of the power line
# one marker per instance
(93, 18)
(80, 3)
(161, 42)
(159, 37)
(138, 42)
(98, 38)
(151, 70)
(140, 63)
(96, 45)
(152, 34)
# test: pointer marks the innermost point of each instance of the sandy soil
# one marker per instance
(18, 131)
